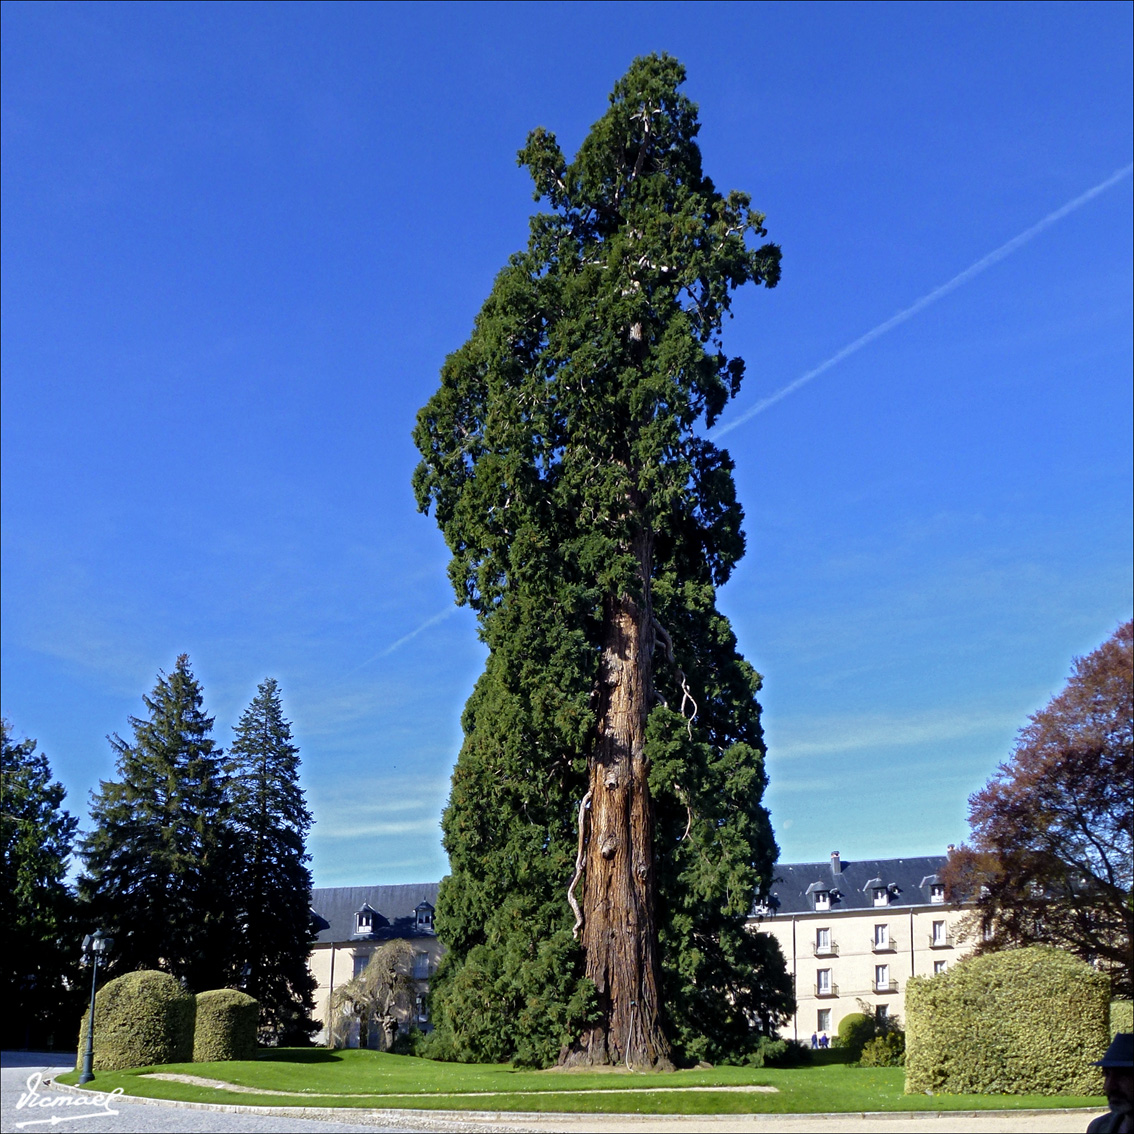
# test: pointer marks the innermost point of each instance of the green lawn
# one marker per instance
(318, 1077)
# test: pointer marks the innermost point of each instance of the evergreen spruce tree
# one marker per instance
(270, 878)
(605, 831)
(156, 862)
(36, 906)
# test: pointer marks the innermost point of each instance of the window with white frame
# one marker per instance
(938, 937)
(822, 899)
(881, 896)
(823, 1020)
(881, 977)
(823, 940)
(939, 967)
(937, 893)
(361, 960)
(881, 937)
(823, 982)
(421, 966)
(362, 921)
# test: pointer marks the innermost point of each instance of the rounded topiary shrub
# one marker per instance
(855, 1031)
(1025, 1021)
(141, 1018)
(226, 1026)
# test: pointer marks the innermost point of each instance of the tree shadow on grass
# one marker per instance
(308, 1055)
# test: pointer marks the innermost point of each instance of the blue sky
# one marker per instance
(238, 241)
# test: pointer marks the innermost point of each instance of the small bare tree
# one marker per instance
(382, 993)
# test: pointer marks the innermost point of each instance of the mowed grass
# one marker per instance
(321, 1078)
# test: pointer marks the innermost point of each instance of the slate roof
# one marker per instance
(395, 906)
(851, 884)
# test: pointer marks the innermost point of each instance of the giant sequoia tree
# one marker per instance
(605, 832)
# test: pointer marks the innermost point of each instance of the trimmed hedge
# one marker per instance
(1121, 1016)
(141, 1018)
(1025, 1021)
(226, 1026)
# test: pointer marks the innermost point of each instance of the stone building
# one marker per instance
(856, 932)
(352, 922)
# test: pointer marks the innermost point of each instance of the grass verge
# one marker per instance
(321, 1078)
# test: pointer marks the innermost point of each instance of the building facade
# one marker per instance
(352, 922)
(853, 933)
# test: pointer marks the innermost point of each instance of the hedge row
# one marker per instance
(146, 1018)
(1025, 1021)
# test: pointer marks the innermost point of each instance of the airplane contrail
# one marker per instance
(440, 616)
(993, 257)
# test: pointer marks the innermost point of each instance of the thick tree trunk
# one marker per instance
(620, 932)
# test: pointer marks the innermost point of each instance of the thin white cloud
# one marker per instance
(925, 301)
(856, 734)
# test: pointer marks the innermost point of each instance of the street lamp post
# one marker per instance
(95, 945)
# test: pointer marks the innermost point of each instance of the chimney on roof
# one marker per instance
(836, 863)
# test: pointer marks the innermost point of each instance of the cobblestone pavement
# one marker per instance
(138, 1117)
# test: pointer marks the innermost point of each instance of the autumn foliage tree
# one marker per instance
(605, 832)
(1050, 858)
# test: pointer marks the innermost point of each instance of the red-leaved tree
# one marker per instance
(1049, 860)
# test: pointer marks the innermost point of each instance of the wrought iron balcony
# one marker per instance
(831, 949)
(885, 986)
(827, 990)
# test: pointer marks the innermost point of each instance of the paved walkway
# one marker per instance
(147, 1116)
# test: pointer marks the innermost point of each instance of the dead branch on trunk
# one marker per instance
(580, 859)
(661, 634)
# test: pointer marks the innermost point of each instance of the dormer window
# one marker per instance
(881, 896)
(937, 894)
(424, 918)
(822, 899)
(362, 921)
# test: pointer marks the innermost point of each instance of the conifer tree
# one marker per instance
(156, 861)
(270, 879)
(36, 906)
(605, 832)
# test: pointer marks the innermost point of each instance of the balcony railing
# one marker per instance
(887, 946)
(945, 941)
(885, 986)
(831, 949)
(826, 990)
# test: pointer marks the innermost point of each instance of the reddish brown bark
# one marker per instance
(620, 932)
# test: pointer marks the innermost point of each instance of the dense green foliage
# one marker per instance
(226, 1026)
(197, 864)
(561, 442)
(270, 881)
(141, 1018)
(36, 907)
(156, 876)
(1121, 1016)
(888, 1050)
(855, 1031)
(1025, 1021)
